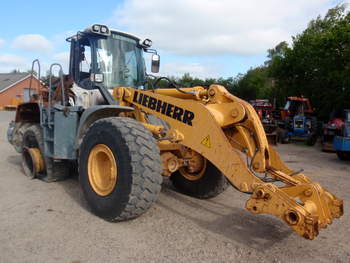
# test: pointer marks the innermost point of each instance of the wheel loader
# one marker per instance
(111, 121)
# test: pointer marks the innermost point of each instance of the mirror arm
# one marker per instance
(150, 50)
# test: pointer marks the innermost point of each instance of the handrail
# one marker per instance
(32, 74)
(60, 73)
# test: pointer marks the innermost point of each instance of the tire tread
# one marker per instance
(144, 157)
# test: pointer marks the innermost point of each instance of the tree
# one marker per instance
(276, 53)
(255, 84)
(318, 63)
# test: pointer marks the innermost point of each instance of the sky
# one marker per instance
(205, 38)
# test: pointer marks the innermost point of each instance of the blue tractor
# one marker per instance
(298, 120)
(342, 143)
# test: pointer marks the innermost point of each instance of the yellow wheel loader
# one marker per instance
(111, 120)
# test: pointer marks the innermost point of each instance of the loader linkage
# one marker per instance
(216, 124)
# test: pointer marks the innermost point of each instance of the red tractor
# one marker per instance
(266, 112)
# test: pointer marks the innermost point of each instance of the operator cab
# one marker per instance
(298, 106)
(109, 58)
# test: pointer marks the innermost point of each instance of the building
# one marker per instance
(14, 88)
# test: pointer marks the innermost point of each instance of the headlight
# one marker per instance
(104, 29)
(96, 28)
(147, 42)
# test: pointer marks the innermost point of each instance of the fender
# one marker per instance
(95, 113)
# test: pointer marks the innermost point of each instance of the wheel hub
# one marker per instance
(102, 170)
(196, 168)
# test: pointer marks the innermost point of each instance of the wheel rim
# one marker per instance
(102, 170)
(201, 165)
(32, 162)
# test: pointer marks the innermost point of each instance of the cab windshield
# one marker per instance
(120, 60)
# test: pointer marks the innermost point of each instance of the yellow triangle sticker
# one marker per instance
(206, 142)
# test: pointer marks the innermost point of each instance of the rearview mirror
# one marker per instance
(155, 63)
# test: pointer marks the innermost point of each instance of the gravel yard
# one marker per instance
(41, 222)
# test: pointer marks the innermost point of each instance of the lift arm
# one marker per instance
(224, 129)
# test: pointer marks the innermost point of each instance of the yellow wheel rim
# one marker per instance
(194, 176)
(102, 170)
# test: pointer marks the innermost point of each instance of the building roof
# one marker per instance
(9, 79)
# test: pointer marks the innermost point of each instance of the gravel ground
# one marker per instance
(41, 222)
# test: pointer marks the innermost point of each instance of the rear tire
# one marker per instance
(344, 156)
(132, 152)
(284, 138)
(209, 185)
(311, 141)
(32, 138)
(54, 170)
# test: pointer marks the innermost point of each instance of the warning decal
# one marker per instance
(206, 142)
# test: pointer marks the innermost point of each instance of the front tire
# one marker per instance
(119, 168)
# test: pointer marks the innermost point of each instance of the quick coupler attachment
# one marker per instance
(305, 207)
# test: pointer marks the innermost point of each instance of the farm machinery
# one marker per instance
(331, 129)
(265, 111)
(111, 120)
(341, 143)
(297, 120)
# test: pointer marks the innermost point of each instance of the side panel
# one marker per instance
(66, 125)
(341, 143)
